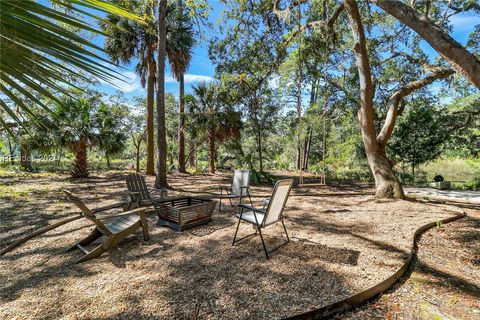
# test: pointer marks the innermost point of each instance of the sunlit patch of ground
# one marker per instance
(343, 241)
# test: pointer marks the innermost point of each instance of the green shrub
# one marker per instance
(473, 184)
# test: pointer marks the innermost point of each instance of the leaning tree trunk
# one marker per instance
(161, 178)
(181, 126)
(150, 115)
(460, 58)
(80, 164)
(386, 183)
(137, 159)
(211, 143)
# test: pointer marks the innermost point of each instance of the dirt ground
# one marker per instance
(343, 241)
(445, 282)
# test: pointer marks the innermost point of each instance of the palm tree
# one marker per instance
(111, 126)
(129, 39)
(41, 54)
(161, 177)
(76, 131)
(212, 116)
(180, 43)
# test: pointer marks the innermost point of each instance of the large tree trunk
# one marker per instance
(161, 178)
(386, 183)
(181, 126)
(211, 143)
(460, 58)
(80, 164)
(150, 115)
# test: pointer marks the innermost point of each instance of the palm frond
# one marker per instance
(42, 55)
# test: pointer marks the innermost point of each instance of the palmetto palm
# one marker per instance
(212, 116)
(76, 131)
(129, 40)
(40, 53)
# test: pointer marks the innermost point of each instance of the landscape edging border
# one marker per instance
(359, 299)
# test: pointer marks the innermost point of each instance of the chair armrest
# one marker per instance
(251, 208)
(109, 207)
(227, 189)
(140, 211)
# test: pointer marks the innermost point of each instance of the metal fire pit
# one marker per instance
(184, 213)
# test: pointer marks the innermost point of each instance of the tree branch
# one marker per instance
(471, 5)
(347, 94)
(365, 113)
(284, 14)
(456, 10)
(460, 58)
(396, 98)
(427, 67)
(318, 24)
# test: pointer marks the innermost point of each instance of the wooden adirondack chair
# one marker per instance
(140, 194)
(120, 226)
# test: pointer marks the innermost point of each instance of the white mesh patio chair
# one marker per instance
(262, 218)
(239, 188)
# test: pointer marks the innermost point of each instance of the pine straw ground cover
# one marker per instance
(342, 242)
(445, 280)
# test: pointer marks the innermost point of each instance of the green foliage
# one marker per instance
(473, 184)
(463, 123)
(210, 113)
(110, 123)
(128, 39)
(455, 169)
(419, 134)
(261, 177)
(42, 52)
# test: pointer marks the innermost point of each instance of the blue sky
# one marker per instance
(202, 68)
(463, 25)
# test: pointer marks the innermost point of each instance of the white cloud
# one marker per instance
(196, 78)
(131, 82)
(189, 78)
